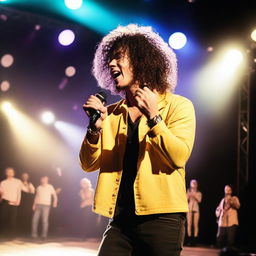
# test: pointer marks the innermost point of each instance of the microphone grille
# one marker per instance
(102, 96)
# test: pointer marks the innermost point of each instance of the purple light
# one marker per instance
(66, 37)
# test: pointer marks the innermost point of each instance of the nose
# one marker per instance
(112, 63)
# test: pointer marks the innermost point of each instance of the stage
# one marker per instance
(74, 247)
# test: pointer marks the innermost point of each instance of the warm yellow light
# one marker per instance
(233, 57)
(48, 117)
(217, 80)
(253, 35)
(7, 107)
(34, 142)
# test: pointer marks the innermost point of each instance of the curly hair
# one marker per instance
(153, 61)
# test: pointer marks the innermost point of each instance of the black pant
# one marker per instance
(8, 219)
(151, 235)
(226, 236)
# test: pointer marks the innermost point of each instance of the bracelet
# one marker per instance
(94, 131)
(153, 121)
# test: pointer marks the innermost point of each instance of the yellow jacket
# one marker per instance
(159, 186)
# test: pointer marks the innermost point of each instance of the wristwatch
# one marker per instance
(153, 121)
(94, 131)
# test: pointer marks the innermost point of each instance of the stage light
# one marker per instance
(73, 4)
(73, 134)
(210, 49)
(177, 40)
(253, 35)
(234, 57)
(7, 107)
(66, 37)
(48, 117)
(37, 27)
(70, 71)
(5, 86)
(7, 60)
(34, 143)
(3, 17)
(217, 81)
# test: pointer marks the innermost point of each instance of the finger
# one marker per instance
(140, 93)
(146, 89)
(139, 90)
(139, 102)
(92, 106)
(103, 110)
(97, 99)
(94, 101)
(155, 91)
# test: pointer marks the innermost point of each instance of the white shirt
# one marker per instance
(10, 190)
(44, 194)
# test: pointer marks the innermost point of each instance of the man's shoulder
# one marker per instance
(11, 181)
(176, 98)
(179, 104)
(18, 180)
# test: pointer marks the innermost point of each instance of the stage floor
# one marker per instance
(73, 247)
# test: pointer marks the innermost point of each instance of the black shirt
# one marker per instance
(125, 206)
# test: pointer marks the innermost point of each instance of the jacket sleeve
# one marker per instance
(174, 137)
(90, 155)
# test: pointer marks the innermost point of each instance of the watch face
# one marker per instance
(158, 119)
(154, 121)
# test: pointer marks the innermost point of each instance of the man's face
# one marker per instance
(9, 173)
(44, 180)
(121, 69)
(228, 190)
(193, 184)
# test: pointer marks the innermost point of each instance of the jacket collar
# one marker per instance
(161, 101)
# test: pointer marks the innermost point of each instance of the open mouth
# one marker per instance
(116, 74)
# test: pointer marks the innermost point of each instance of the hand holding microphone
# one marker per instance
(95, 109)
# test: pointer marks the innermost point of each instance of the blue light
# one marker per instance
(177, 40)
(73, 4)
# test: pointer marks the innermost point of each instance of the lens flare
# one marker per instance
(253, 35)
(177, 40)
(66, 37)
(73, 4)
(48, 117)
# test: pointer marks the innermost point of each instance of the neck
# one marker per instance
(130, 95)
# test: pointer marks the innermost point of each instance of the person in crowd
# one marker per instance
(89, 219)
(140, 145)
(10, 193)
(25, 208)
(227, 218)
(42, 205)
(57, 220)
(194, 197)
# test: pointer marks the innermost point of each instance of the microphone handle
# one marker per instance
(95, 116)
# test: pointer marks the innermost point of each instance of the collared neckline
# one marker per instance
(161, 101)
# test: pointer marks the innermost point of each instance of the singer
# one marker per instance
(140, 145)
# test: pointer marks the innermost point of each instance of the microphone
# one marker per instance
(94, 114)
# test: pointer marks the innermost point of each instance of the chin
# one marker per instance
(121, 87)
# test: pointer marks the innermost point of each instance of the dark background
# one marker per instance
(38, 70)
